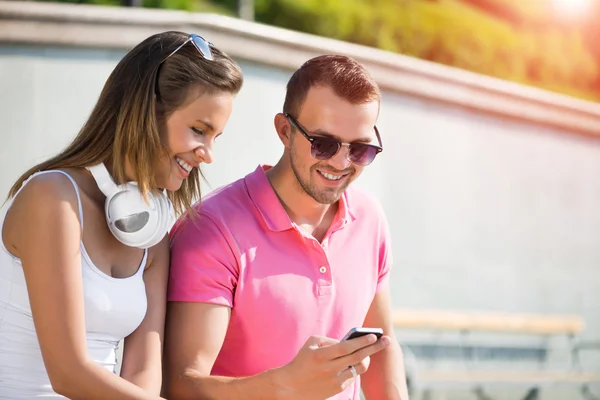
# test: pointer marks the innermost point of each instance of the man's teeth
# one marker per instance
(331, 177)
(185, 165)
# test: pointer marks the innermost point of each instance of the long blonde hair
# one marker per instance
(139, 95)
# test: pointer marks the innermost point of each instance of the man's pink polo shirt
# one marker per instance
(282, 285)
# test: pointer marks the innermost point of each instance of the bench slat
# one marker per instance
(490, 322)
(514, 376)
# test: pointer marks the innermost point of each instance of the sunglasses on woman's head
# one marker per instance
(324, 147)
(199, 43)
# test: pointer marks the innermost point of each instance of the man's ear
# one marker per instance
(283, 128)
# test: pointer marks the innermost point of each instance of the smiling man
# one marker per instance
(279, 265)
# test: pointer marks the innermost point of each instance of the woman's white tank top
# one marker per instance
(114, 308)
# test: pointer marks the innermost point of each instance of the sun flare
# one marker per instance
(572, 6)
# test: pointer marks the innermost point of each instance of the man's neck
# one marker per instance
(303, 210)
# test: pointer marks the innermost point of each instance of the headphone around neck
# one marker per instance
(132, 220)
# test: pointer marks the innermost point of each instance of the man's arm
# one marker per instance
(195, 334)
(386, 378)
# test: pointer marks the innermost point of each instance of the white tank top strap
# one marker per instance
(143, 264)
(79, 206)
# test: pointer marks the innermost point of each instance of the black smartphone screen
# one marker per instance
(358, 332)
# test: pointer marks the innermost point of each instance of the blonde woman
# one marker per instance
(84, 253)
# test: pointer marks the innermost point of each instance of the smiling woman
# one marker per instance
(76, 290)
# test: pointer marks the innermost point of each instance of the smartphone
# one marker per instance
(358, 332)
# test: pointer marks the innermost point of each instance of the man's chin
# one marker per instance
(328, 197)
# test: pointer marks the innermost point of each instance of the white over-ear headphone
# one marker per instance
(132, 220)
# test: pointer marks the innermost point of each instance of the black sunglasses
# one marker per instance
(199, 43)
(324, 148)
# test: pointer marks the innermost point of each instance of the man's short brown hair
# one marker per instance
(348, 79)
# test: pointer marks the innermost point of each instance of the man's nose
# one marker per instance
(341, 160)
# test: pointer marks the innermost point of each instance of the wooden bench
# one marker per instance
(477, 375)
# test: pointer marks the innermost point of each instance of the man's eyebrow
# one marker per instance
(322, 132)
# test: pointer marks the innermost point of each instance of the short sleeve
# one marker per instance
(385, 253)
(203, 265)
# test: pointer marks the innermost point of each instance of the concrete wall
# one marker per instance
(491, 188)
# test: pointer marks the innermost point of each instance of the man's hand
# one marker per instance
(321, 368)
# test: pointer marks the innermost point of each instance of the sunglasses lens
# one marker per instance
(362, 154)
(323, 148)
(203, 46)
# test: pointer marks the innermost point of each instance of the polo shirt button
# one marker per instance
(323, 270)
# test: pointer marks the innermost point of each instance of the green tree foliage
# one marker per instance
(511, 41)
(206, 6)
(189, 5)
(526, 41)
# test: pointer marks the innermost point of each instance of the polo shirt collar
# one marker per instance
(344, 213)
(270, 208)
(266, 201)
